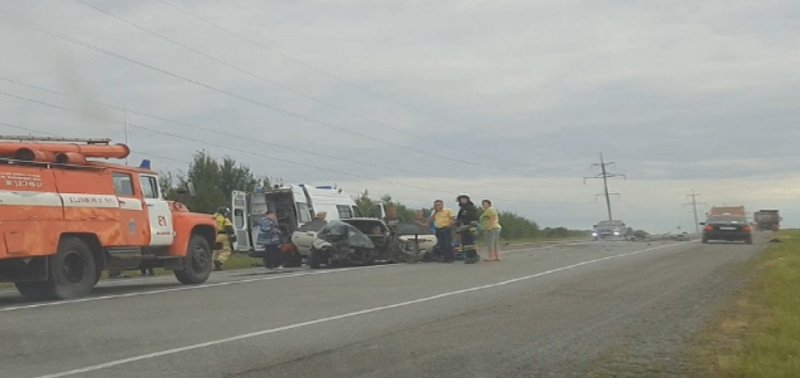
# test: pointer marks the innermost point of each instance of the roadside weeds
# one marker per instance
(758, 335)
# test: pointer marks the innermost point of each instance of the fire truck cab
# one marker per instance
(65, 216)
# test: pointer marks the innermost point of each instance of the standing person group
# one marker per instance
(443, 222)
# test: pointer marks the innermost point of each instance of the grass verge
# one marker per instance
(759, 334)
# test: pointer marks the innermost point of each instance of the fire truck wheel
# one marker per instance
(34, 290)
(197, 263)
(73, 269)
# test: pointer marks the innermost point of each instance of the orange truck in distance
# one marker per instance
(727, 210)
(66, 215)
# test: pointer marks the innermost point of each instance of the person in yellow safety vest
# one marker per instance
(225, 237)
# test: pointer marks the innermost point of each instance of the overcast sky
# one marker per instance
(509, 100)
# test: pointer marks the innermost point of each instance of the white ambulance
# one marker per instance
(294, 205)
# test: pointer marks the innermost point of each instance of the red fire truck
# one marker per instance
(66, 215)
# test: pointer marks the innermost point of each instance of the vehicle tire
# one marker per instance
(748, 240)
(98, 274)
(197, 264)
(314, 259)
(705, 240)
(73, 271)
(293, 260)
(35, 291)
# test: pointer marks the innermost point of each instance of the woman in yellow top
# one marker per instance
(442, 220)
(490, 223)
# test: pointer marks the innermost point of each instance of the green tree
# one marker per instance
(233, 176)
(405, 213)
(517, 227)
(214, 181)
(366, 206)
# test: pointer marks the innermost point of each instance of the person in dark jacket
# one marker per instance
(467, 212)
(465, 221)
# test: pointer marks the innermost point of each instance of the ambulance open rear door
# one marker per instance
(241, 223)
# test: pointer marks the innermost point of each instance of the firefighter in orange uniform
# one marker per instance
(225, 237)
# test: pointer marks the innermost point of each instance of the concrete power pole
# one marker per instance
(605, 175)
(693, 197)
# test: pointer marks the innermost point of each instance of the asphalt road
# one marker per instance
(582, 309)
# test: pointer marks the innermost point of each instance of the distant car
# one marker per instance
(727, 228)
(610, 229)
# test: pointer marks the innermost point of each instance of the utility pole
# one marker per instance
(693, 197)
(605, 175)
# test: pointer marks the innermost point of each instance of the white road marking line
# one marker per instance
(182, 288)
(342, 316)
(160, 279)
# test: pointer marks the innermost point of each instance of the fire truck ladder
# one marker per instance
(28, 138)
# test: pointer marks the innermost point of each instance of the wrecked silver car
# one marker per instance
(354, 241)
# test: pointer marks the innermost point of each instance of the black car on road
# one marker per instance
(727, 228)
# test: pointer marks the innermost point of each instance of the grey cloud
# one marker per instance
(697, 93)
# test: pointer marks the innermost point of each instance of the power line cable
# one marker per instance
(214, 144)
(199, 127)
(300, 62)
(278, 85)
(300, 116)
(257, 154)
(297, 61)
(272, 50)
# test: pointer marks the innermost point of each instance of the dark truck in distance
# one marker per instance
(767, 220)
(727, 228)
